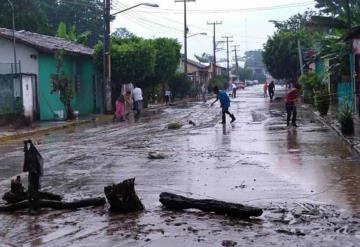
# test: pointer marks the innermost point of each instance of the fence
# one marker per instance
(10, 93)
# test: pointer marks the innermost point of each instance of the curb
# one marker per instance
(100, 118)
(335, 129)
(44, 130)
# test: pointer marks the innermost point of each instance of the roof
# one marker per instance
(197, 64)
(353, 33)
(46, 43)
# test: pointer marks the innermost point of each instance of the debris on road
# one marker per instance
(176, 202)
(228, 243)
(156, 155)
(192, 123)
(123, 198)
(174, 126)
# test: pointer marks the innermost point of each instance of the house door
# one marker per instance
(28, 95)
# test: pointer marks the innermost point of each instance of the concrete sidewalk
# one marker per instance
(8, 133)
(331, 120)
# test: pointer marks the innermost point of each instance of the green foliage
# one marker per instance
(167, 58)
(322, 100)
(44, 16)
(244, 74)
(133, 61)
(346, 120)
(174, 126)
(70, 34)
(219, 81)
(310, 82)
(62, 83)
(180, 87)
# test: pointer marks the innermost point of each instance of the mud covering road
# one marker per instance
(306, 180)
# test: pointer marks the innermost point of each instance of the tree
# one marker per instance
(62, 83)
(281, 55)
(167, 58)
(28, 15)
(179, 86)
(71, 35)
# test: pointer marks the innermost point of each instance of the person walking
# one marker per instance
(138, 101)
(234, 89)
(167, 96)
(119, 109)
(203, 92)
(224, 104)
(265, 89)
(290, 105)
(271, 89)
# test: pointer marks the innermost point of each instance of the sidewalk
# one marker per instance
(8, 133)
(331, 121)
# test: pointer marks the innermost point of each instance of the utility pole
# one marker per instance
(106, 58)
(300, 58)
(227, 53)
(214, 44)
(13, 33)
(236, 58)
(186, 30)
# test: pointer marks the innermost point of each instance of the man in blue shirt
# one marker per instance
(224, 104)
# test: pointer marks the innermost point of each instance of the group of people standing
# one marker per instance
(131, 101)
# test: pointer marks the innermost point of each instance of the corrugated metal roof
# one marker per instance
(46, 43)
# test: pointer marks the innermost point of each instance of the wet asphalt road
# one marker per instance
(306, 180)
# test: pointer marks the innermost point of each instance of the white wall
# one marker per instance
(23, 53)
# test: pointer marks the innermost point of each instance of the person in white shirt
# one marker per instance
(138, 99)
(234, 88)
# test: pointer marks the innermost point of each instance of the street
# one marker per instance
(306, 179)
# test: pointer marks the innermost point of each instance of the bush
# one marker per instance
(179, 87)
(310, 82)
(219, 81)
(322, 101)
(346, 120)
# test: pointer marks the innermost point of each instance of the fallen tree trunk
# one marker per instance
(122, 197)
(176, 202)
(11, 197)
(99, 201)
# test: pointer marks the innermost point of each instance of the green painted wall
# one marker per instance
(84, 95)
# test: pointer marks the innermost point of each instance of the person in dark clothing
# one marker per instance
(33, 164)
(290, 105)
(271, 89)
(224, 104)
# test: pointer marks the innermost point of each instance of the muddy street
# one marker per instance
(306, 179)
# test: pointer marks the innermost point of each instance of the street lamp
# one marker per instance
(106, 50)
(13, 33)
(153, 5)
(192, 35)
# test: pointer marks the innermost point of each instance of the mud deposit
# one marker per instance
(306, 180)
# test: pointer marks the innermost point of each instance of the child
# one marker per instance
(224, 103)
(119, 109)
(290, 105)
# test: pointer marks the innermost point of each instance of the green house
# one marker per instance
(37, 63)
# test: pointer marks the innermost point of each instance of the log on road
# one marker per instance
(11, 197)
(176, 202)
(123, 198)
(91, 202)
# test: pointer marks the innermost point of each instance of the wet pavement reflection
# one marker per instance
(306, 180)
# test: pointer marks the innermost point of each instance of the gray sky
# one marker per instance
(246, 21)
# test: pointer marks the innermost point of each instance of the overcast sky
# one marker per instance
(247, 21)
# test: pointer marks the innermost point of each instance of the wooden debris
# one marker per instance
(55, 204)
(123, 198)
(176, 202)
(156, 155)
